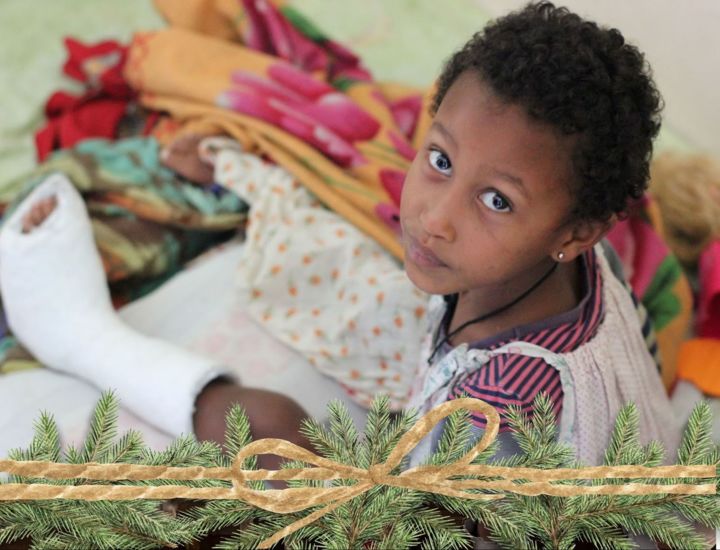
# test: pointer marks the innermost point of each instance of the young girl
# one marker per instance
(542, 134)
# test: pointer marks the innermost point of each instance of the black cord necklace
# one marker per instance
(488, 315)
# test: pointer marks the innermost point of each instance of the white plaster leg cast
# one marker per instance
(58, 305)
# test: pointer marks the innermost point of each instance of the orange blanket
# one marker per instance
(304, 101)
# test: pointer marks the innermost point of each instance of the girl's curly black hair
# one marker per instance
(581, 80)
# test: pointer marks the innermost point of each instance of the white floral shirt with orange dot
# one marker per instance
(322, 286)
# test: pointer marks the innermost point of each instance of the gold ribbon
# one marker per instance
(434, 479)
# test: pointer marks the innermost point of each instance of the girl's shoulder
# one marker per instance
(611, 269)
(566, 331)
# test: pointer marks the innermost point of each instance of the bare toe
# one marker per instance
(38, 213)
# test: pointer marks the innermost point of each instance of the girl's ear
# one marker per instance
(583, 236)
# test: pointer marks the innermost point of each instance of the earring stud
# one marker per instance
(561, 255)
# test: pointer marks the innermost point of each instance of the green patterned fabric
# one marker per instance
(147, 221)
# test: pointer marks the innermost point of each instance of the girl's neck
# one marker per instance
(561, 292)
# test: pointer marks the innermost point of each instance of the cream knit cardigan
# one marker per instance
(598, 379)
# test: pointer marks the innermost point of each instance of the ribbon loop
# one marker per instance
(425, 425)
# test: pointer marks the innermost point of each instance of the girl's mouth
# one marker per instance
(422, 256)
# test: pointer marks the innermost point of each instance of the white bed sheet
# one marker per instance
(196, 309)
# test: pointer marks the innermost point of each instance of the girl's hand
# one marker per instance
(182, 156)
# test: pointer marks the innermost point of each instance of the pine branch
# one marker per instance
(47, 439)
(311, 536)
(323, 441)
(237, 435)
(185, 451)
(140, 521)
(138, 524)
(557, 523)
(455, 439)
(382, 517)
(439, 530)
(603, 537)
(654, 454)
(660, 527)
(384, 508)
(508, 525)
(103, 429)
(382, 432)
(701, 509)
(13, 531)
(441, 539)
(625, 437)
(73, 455)
(128, 449)
(254, 534)
(400, 536)
(343, 428)
(218, 515)
(697, 445)
(45, 445)
(536, 437)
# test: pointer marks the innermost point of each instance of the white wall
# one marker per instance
(681, 39)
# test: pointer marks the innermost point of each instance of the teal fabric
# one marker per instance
(104, 165)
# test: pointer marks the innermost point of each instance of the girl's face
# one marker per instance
(486, 201)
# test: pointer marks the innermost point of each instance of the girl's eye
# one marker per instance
(495, 201)
(440, 162)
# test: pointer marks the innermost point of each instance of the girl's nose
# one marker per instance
(437, 220)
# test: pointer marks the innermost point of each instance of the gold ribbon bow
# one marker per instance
(422, 478)
(434, 479)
